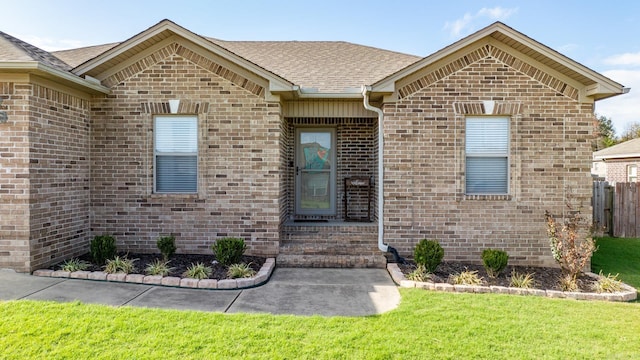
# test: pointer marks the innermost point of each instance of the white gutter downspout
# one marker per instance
(365, 94)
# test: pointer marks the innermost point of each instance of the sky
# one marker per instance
(602, 35)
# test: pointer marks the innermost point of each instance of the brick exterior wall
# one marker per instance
(14, 177)
(617, 169)
(44, 162)
(424, 163)
(239, 157)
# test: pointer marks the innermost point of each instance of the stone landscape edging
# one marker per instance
(260, 278)
(628, 294)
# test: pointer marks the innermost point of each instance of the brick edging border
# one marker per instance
(628, 294)
(260, 278)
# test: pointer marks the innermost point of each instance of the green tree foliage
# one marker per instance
(605, 133)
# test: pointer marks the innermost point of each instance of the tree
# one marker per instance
(632, 131)
(605, 133)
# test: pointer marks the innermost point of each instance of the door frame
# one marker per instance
(299, 156)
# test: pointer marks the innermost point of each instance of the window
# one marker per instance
(632, 173)
(487, 155)
(176, 154)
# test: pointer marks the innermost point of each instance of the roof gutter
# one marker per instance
(38, 68)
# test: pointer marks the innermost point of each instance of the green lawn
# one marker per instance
(618, 256)
(426, 325)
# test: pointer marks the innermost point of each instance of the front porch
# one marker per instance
(330, 244)
(330, 215)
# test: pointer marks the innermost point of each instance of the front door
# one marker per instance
(315, 171)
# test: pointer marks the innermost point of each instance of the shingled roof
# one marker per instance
(627, 149)
(327, 66)
(16, 50)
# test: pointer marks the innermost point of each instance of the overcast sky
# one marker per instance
(602, 35)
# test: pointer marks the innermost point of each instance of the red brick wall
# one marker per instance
(424, 162)
(239, 158)
(617, 169)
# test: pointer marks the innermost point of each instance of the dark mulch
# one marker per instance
(179, 263)
(545, 278)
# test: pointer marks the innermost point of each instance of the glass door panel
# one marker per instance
(315, 171)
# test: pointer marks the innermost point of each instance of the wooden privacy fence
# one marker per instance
(616, 209)
(602, 203)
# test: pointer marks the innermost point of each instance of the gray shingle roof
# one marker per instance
(13, 49)
(329, 66)
(626, 149)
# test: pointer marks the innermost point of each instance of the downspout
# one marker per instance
(381, 245)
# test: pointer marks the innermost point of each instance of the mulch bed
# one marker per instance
(179, 263)
(545, 278)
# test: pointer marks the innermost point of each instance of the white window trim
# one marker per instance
(488, 155)
(185, 154)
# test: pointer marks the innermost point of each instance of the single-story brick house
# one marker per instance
(618, 163)
(319, 153)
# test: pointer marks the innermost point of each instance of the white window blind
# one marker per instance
(176, 154)
(487, 155)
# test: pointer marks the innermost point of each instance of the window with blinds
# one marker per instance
(487, 155)
(175, 154)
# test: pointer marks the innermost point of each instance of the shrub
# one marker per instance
(568, 283)
(120, 265)
(429, 254)
(571, 243)
(103, 248)
(419, 274)
(158, 267)
(198, 271)
(466, 278)
(525, 281)
(167, 246)
(240, 271)
(229, 250)
(494, 261)
(74, 265)
(607, 284)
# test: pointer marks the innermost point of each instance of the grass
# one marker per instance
(426, 325)
(618, 256)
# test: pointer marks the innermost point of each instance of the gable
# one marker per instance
(167, 38)
(512, 48)
(176, 46)
(440, 70)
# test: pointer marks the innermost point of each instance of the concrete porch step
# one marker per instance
(331, 261)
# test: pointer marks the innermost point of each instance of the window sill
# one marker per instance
(503, 197)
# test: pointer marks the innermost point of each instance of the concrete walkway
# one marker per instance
(297, 291)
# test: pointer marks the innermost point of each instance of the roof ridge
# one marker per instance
(35, 53)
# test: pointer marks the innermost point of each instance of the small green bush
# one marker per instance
(167, 246)
(607, 284)
(158, 267)
(494, 261)
(74, 264)
(103, 248)
(466, 277)
(523, 281)
(198, 271)
(429, 254)
(229, 250)
(419, 274)
(240, 271)
(120, 265)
